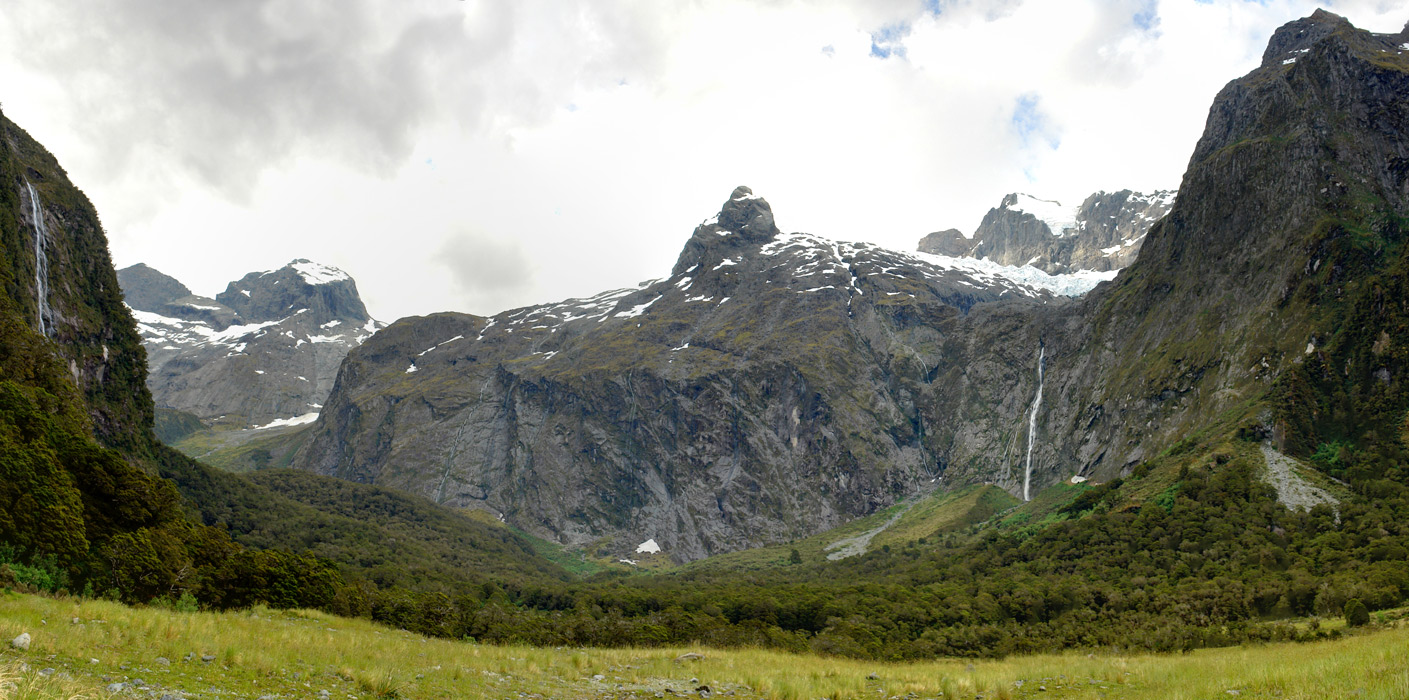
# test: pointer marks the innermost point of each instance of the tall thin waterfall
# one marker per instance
(41, 261)
(1032, 420)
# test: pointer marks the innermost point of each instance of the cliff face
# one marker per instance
(60, 281)
(266, 349)
(776, 384)
(773, 385)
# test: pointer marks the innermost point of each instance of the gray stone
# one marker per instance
(116, 688)
(21, 642)
(281, 370)
(163, 661)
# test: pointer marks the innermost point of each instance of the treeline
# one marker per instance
(1214, 561)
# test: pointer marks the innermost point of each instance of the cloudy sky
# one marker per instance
(479, 155)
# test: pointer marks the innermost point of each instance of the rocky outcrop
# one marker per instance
(949, 242)
(778, 384)
(265, 351)
(1102, 234)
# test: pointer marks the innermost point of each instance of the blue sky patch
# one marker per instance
(1030, 124)
(890, 40)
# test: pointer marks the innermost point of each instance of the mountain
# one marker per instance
(263, 353)
(91, 502)
(1102, 234)
(771, 386)
(775, 385)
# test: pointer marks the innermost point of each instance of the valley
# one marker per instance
(1150, 446)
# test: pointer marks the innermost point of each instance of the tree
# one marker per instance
(1356, 614)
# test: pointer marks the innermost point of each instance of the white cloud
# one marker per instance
(582, 141)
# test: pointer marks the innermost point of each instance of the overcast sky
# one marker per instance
(476, 156)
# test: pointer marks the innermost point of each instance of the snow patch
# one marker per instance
(285, 422)
(1057, 217)
(443, 342)
(648, 547)
(986, 271)
(316, 273)
(412, 369)
(637, 310)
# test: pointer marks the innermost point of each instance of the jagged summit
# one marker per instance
(327, 292)
(745, 219)
(265, 350)
(748, 215)
(1103, 234)
(1299, 35)
(1051, 213)
(316, 273)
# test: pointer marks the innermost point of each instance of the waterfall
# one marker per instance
(41, 261)
(1032, 420)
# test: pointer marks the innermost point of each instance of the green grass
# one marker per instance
(574, 561)
(935, 514)
(298, 653)
(243, 450)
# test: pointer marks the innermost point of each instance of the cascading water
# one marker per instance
(41, 261)
(1032, 419)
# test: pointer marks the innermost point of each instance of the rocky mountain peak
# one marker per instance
(147, 289)
(264, 354)
(1299, 36)
(745, 219)
(325, 291)
(748, 215)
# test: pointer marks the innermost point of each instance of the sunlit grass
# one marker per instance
(299, 653)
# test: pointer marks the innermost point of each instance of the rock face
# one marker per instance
(775, 385)
(1102, 234)
(265, 350)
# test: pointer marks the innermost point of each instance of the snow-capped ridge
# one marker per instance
(318, 273)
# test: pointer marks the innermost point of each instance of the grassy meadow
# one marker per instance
(85, 648)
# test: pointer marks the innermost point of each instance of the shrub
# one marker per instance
(1356, 613)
